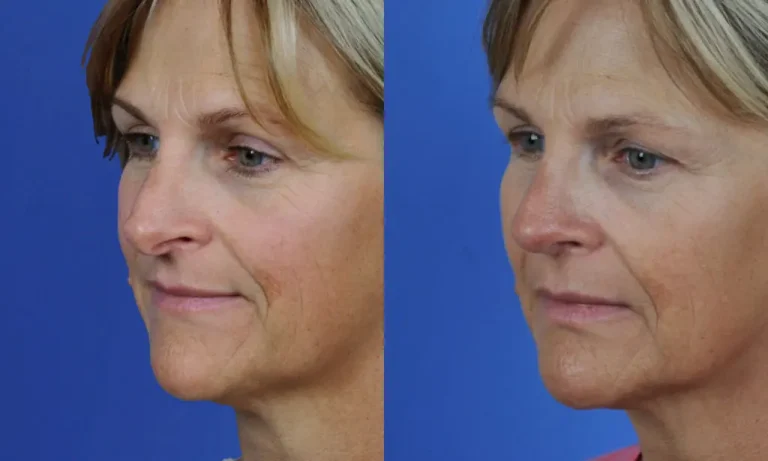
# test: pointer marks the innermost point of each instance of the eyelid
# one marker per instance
(524, 128)
(256, 144)
(623, 144)
(138, 128)
(121, 117)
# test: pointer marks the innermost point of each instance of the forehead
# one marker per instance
(603, 36)
(185, 43)
(594, 53)
(184, 58)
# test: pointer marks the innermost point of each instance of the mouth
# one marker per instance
(180, 298)
(574, 309)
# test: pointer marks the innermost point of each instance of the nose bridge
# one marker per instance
(165, 210)
(551, 214)
(170, 179)
(552, 188)
(547, 198)
(162, 186)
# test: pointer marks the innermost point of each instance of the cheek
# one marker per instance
(697, 264)
(316, 259)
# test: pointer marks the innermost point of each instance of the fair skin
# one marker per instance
(289, 238)
(664, 216)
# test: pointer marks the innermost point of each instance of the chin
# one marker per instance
(190, 368)
(188, 376)
(581, 378)
(577, 392)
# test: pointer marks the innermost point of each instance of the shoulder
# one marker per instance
(626, 454)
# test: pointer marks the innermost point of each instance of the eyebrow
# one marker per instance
(597, 125)
(204, 121)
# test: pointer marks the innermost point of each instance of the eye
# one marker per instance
(248, 161)
(526, 143)
(140, 145)
(250, 158)
(640, 161)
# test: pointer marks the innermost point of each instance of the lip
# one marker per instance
(568, 297)
(578, 309)
(181, 298)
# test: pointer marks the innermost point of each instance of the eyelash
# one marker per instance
(127, 152)
(516, 136)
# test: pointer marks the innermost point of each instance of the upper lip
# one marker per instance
(571, 297)
(189, 292)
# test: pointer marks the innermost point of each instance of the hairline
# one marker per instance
(696, 89)
(101, 99)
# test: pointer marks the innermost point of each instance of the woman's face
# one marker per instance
(288, 241)
(621, 188)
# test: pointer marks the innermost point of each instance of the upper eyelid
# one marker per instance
(121, 117)
(135, 128)
(242, 140)
(622, 144)
(518, 128)
(521, 126)
(524, 129)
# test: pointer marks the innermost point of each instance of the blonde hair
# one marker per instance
(352, 30)
(723, 45)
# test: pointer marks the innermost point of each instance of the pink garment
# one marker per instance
(627, 454)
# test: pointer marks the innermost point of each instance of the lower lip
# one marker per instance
(169, 302)
(579, 314)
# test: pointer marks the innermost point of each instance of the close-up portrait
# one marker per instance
(238, 169)
(250, 209)
(633, 210)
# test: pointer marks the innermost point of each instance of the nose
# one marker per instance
(166, 215)
(553, 216)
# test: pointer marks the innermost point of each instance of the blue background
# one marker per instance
(76, 381)
(461, 373)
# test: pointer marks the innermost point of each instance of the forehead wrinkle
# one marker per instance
(166, 77)
(181, 111)
(546, 101)
(188, 98)
(592, 97)
(606, 42)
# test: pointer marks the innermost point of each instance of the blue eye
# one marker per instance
(526, 143)
(250, 162)
(141, 145)
(249, 158)
(641, 161)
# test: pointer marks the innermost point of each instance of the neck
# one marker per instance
(724, 420)
(340, 421)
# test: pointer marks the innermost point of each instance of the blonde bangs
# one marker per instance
(353, 32)
(722, 45)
